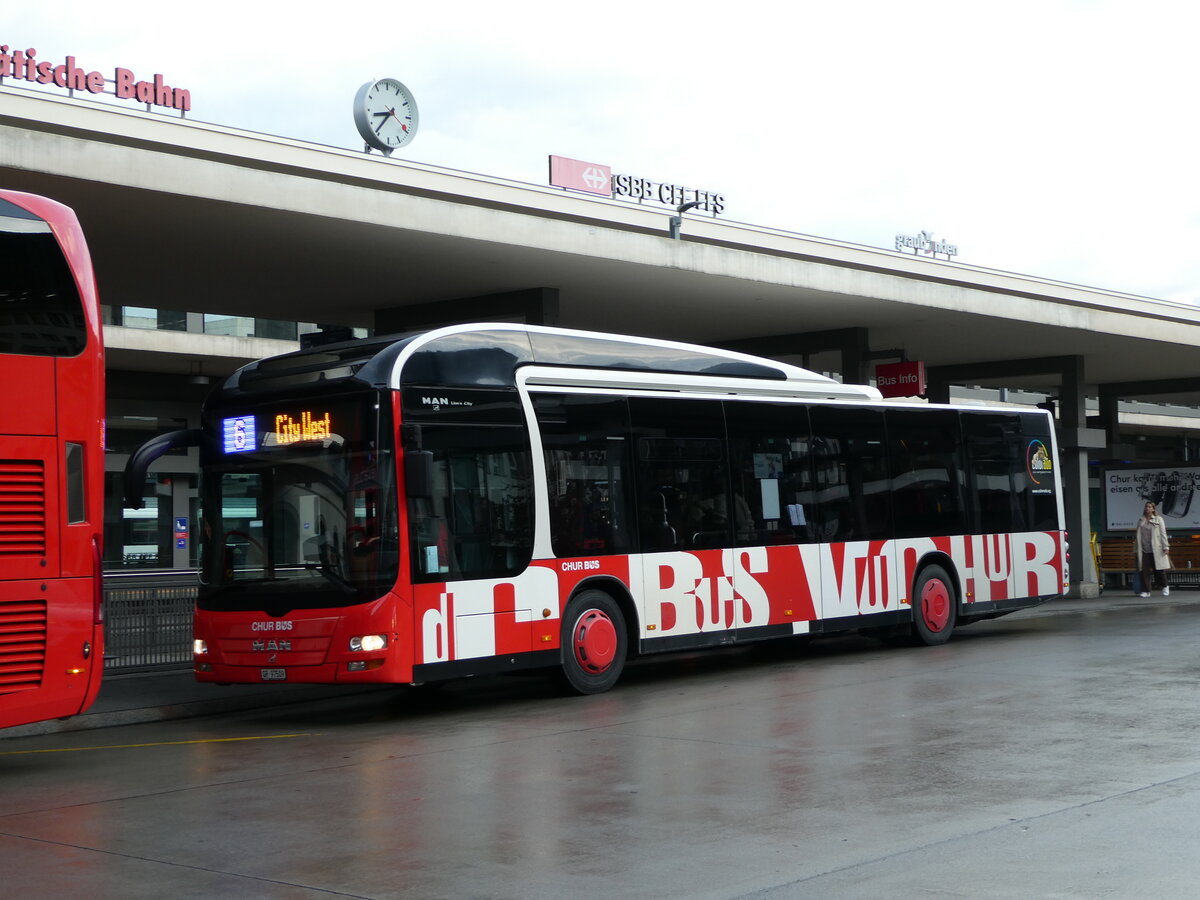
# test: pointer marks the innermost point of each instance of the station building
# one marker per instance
(215, 246)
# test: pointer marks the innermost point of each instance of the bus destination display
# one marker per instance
(239, 434)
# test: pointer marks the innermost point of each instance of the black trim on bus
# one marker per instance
(766, 633)
(736, 636)
(991, 609)
(701, 641)
(489, 357)
(844, 624)
(491, 665)
(837, 625)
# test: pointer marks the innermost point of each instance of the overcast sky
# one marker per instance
(1055, 138)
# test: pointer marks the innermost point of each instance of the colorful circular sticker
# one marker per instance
(1037, 461)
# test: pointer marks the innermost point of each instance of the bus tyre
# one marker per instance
(934, 606)
(594, 643)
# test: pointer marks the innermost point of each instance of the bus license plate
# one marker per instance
(274, 674)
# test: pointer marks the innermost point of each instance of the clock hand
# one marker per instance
(397, 118)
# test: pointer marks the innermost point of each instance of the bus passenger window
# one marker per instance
(993, 444)
(684, 500)
(585, 440)
(479, 521)
(850, 468)
(926, 470)
(771, 451)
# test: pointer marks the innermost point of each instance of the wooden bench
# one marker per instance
(1116, 560)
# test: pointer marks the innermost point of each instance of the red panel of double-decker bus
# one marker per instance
(29, 403)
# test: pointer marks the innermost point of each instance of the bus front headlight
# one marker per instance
(369, 642)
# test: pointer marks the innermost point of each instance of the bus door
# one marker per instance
(685, 521)
(853, 512)
(778, 562)
(1013, 498)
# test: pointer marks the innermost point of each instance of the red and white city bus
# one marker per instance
(51, 464)
(494, 497)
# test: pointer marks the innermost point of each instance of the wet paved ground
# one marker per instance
(1035, 756)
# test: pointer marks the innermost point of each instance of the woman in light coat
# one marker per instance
(1152, 546)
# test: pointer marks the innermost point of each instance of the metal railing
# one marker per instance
(148, 621)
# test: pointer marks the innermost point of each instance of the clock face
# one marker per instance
(386, 114)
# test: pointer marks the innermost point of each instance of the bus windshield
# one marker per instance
(300, 508)
(41, 311)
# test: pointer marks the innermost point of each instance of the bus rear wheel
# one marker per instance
(594, 643)
(934, 607)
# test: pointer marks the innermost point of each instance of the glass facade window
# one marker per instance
(245, 326)
(214, 323)
(144, 317)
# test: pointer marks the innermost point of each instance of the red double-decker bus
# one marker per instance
(51, 464)
(495, 497)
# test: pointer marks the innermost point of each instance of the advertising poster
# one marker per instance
(1171, 489)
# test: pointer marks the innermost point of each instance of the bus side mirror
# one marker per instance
(140, 459)
(418, 474)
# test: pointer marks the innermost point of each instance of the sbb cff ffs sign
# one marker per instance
(577, 175)
(593, 178)
(904, 379)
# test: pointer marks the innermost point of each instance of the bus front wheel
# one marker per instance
(594, 643)
(934, 606)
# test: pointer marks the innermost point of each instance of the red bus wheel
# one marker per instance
(935, 606)
(594, 642)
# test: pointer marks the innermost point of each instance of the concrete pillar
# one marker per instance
(1074, 438)
(856, 356)
(1109, 416)
(937, 390)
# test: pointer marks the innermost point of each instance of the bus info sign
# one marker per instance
(903, 379)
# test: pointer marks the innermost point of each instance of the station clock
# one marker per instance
(385, 113)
